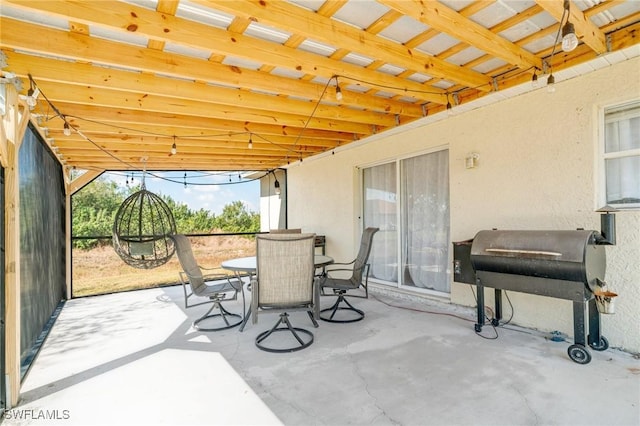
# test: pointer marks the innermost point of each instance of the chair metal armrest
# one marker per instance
(184, 280)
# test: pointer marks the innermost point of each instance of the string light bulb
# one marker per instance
(569, 38)
(551, 84)
(534, 80)
(338, 91)
(66, 130)
(174, 149)
(276, 185)
(250, 146)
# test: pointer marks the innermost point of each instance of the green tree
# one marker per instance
(236, 217)
(94, 208)
(189, 221)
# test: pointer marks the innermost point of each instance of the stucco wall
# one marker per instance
(537, 170)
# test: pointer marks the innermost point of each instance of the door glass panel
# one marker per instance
(380, 210)
(425, 219)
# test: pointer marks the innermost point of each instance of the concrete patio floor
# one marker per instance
(133, 358)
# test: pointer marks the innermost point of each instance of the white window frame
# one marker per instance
(603, 156)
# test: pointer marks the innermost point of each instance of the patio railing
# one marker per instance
(101, 271)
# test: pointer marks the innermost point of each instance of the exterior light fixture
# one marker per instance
(66, 130)
(534, 80)
(276, 185)
(250, 146)
(174, 148)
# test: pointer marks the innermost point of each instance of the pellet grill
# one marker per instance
(562, 264)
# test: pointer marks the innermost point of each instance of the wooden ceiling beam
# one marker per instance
(448, 21)
(188, 136)
(336, 33)
(158, 104)
(87, 76)
(18, 35)
(134, 163)
(77, 143)
(586, 30)
(125, 117)
(125, 17)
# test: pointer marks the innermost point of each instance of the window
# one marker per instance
(409, 201)
(621, 156)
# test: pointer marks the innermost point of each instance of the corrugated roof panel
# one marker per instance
(543, 20)
(420, 78)
(287, 73)
(540, 44)
(187, 51)
(390, 69)
(492, 15)
(616, 12)
(518, 5)
(465, 56)
(26, 16)
(443, 84)
(360, 14)
(383, 94)
(356, 88)
(489, 65)
(147, 4)
(519, 31)
(204, 15)
(317, 48)
(403, 30)
(437, 44)
(313, 5)
(457, 5)
(241, 63)
(120, 36)
(357, 59)
(265, 32)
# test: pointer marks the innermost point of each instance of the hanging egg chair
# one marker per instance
(142, 230)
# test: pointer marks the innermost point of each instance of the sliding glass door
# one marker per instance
(408, 200)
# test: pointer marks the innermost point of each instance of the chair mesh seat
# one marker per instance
(142, 230)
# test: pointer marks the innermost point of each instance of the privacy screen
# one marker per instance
(42, 237)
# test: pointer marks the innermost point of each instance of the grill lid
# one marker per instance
(562, 255)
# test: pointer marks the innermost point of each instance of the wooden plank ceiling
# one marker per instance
(251, 84)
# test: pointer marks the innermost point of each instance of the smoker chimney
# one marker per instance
(607, 226)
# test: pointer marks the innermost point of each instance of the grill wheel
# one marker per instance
(579, 354)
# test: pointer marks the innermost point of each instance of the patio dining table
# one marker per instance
(248, 265)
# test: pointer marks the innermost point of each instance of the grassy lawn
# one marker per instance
(100, 270)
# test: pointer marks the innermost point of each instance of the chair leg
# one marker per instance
(223, 315)
(313, 319)
(336, 307)
(297, 332)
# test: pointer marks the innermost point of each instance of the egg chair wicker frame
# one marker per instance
(142, 230)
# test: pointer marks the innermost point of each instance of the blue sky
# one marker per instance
(229, 187)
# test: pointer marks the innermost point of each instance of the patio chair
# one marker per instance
(216, 287)
(284, 283)
(341, 286)
(286, 231)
